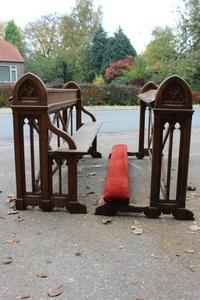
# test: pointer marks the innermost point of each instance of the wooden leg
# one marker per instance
(73, 206)
(152, 212)
(20, 204)
(46, 205)
(93, 150)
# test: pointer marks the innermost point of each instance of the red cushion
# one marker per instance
(116, 187)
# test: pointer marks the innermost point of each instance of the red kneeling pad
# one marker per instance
(116, 187)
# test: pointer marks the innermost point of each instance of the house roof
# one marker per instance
(9, 52)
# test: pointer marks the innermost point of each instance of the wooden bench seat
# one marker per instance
(83, 138)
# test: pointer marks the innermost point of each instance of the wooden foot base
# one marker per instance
(152, 212)
(46, 205)
(183, 214)
(76, 208)
(20, 204)
(111, 209)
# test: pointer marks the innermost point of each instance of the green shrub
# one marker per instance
(5, 94)
(109, 94)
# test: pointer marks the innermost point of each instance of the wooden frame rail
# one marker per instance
(49, 139)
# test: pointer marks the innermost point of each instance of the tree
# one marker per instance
(188, 27)
(118, 68)
(45, 54)
(160, 54)
(137, 75)
(2, 25)
(118, 47)
(42, 36)
(188, 40)
(13, 35)
(96, 55)
(77, 31)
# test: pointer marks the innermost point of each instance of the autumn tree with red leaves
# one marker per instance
(118, 68)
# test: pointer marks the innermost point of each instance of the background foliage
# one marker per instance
(75, 46)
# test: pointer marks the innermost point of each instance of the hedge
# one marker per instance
(5, 93)
(110, 94)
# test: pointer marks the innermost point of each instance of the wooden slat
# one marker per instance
(84, 137)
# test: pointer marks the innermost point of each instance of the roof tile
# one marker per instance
(9, 52)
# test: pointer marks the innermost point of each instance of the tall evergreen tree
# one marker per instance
(118, 47)
(97, 51)
(13, 35)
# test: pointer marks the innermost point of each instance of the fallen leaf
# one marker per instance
(12, 212)
(11, 200)
(50, 259)
(23, 296)
(97, 166)
(7, 260)
(100, 201)
(195, 195)
(191, 251)
(10, 241)
(19, 219)
(191, 188)
(92, 174)
(191, 268)
(42, 275)
(106, 221)
(55, 291)
(194, 227)
(78, 253)
(137, 229)
(89, 193)
(155, 256)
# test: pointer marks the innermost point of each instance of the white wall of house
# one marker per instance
(10, 71)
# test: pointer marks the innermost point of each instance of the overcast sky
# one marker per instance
(137, 18)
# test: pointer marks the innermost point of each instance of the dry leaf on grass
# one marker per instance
(55, 291)
(7, 260)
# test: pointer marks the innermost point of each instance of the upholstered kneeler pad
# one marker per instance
(116, 186)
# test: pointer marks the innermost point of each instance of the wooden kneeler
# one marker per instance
(116, 191)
